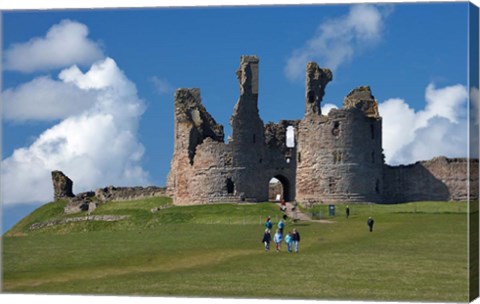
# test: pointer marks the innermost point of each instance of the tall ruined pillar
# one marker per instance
(62, 186)
(248, 143)
(316, 82)
(247, 127)
(311, 140)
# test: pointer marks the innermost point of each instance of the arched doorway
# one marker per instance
(279, 188)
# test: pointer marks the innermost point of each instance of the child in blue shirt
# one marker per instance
(281, 225)
(278, 240)
(268, 223)
(289, 241)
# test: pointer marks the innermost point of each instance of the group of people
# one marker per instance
(292, 238)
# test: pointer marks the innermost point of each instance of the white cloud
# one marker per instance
(474, 105)
(162, 86)
(327, 107)
(44, 99)
(474, 122)
(290, 137)
(65, 44)
(337, 40)
(95, 147)
(439, 129)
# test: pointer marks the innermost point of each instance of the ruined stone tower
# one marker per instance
(334, 158)
(205, 169)
(340, 154)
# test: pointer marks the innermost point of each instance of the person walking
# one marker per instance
(288, 241)
(295, 239)
(370, 223)
(347, 212)
(266, 239)
(278, 240)
(268, 224)
(281, 225)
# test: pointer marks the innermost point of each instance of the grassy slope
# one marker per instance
(417, 252)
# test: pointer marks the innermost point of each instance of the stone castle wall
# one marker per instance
(340, 154)
(205, 169)
(439, 179)
(336, 158)
(340, 158)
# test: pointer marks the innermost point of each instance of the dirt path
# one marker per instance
(297, 215)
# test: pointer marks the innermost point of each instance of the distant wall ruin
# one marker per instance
(88, 201)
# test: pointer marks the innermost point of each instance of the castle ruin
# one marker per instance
(333, 158)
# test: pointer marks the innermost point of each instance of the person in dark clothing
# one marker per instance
(370, 223)
(266, 239)
(347, 211)
(295, 239)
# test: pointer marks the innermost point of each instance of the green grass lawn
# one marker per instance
(417, 252)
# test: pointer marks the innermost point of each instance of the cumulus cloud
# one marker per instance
(64, 44)
(44, 99)
(337, 40)
(438, 129)
(95, 147)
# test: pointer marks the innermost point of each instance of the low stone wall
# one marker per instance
(101, 218)
(88, 201)
(112, 193)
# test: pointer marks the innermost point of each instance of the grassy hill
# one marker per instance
(417, 252)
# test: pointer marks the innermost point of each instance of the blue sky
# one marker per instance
(414, 57)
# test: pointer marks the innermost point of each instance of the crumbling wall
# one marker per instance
(62, 186)
(193, 125)
(281, 161)
(340, 154)
(247, 142)
(239, 170)
(336, 157)
(201, 162)
(112, 193)
(316, 81)
(89, 200)
(439, 179)
(209, 176)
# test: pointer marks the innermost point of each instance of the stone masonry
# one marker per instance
(62, 186)
(336, 157)
(88, 201)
